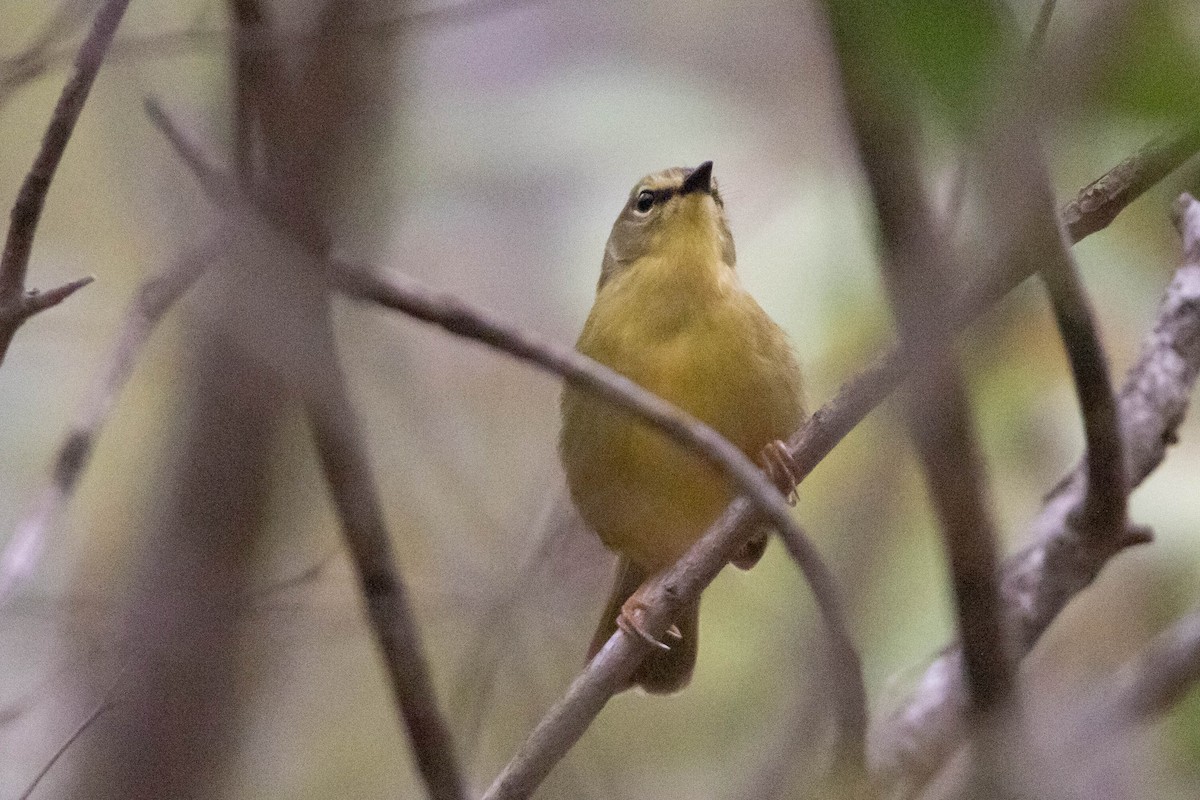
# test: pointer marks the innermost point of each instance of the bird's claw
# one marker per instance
(782, 469)
(631, 619)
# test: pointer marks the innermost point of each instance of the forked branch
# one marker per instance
(16, 303)
(1065, 556)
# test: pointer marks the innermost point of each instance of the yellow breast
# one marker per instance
(701, 342)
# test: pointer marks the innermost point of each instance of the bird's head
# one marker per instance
(675, 213)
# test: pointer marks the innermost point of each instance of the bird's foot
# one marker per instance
(632, 621)
(782, 469)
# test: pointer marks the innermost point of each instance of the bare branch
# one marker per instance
(1037, 37)
(1065, 556)
(348, 473)
(1099, 203)
(40, 58)
(1161, 675)
(103, 706)
(1104, 503)
(154, 298)
(17, 305)
(293, 125)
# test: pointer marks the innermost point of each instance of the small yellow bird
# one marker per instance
(671, 315)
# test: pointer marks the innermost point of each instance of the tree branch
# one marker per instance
(1161, 675)
(100, 709)
(347, 471)
(106, 702)
(1065, 556)
(1104, 504)
(16, 304)
(153, 299)
(1099, 203)
(293, 123)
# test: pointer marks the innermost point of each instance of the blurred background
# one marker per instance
(501, 150)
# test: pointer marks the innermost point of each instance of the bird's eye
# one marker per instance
(645, 201)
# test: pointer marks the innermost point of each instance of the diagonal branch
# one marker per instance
(1099, 203)
(1065, 556)
(154, 298)
(16, 304)
(347, 470)
(1160, 676)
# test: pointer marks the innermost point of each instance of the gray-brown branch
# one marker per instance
(1104, 504)
(16, 303)
(347, 470)
(1065, 556)
(153, 299)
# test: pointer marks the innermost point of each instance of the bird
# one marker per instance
(671, 314)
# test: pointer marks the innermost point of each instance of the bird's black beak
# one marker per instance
(700, 180)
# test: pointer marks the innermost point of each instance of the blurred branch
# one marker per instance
(249, 76)
(106, 702)
(1160, 676)
(1032, 52)
(849, 693)
(153, 299)
(1037, 37)
(39, 58)
(16, 303)
(101, 707)
(29, 64)
(1065, 555)
(294, 124)
(915, 262)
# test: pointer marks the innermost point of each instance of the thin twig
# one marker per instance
(38, 59)
(344, 461)
(153, 299)
(107, 702)
(101, 708)
(16, 304)
(1160, 676)
(248, 79)
(1099, 203)
(1065, 557)
(694, 571)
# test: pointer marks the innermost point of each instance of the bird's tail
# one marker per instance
(662, 672)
